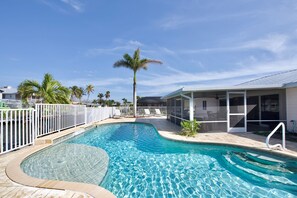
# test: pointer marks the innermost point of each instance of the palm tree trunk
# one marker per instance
(134, 95)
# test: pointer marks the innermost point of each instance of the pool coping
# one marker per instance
(263, 150)
(279, 153)
(15, 173)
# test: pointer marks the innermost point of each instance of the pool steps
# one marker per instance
(262, 170)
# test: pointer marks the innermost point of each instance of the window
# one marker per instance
(270, 107)
(204, 105)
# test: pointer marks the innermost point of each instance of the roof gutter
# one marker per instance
(173, 94)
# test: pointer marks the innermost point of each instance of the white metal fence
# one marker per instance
(95, 114)
(20, 127)
(128, 110)
(17, 128)
(56, 117)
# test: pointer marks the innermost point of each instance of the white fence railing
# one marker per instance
(96, 114)
(56, 117)
(128, 110)
(20, 127)
(17, 128)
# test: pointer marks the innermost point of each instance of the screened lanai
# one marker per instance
(229, 109)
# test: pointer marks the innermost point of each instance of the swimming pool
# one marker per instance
(143, 164)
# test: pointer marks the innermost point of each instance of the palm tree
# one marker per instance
(100, 96)
(49, 91)
(77, 92)
(134, 63)
(89, 90)
(73, 91)
(124, 101)
(107, 95)
(25, 92)
(81, 92)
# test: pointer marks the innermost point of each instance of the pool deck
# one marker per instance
(25, 186)
(246, 139)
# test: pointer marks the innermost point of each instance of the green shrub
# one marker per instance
(190, 128)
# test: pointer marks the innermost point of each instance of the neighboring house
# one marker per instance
(9, 93)
(257, 105)
(10, 97)
(151, 101)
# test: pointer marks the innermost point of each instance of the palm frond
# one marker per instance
(136, 56)
(122, 63)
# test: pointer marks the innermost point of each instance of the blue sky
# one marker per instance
(201, 43)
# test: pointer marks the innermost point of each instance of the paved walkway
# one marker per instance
(169, 130)
(9, 188)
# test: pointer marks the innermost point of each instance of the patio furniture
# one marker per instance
(117, 113)
(158, 112)
(147, 112)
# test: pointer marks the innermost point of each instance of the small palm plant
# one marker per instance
(190, 128)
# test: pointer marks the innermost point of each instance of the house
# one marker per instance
(10, 97)
(256, 105)
(151, 101)
(9, 93)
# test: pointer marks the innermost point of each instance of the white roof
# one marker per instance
(286, 78)
(276, 81)
(9, 90)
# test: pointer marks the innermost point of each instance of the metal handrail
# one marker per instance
(277, 146)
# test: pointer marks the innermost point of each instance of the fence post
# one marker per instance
(86, 116)
(2, 131)
(75, 115)
(36, 120)
(33, 114)
(59, 118)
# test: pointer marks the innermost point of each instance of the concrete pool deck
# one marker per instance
(244, 139)
(20, 186)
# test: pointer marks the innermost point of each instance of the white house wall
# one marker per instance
(211, 105)
(291, 94)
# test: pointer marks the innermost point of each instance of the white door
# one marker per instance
(236, 109)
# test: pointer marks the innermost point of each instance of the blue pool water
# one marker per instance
(143, 164)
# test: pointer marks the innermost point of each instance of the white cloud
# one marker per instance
(175, 22)
(61, 7)
(276, 43)
(103, 82)
(121, 45)
(75, 4)
(178, 78)
(179, 21)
